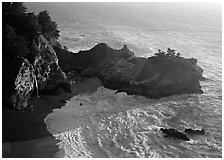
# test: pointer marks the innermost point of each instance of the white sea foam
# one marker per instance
(105, 124)
(105, 115)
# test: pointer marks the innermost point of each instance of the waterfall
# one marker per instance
(36, 84)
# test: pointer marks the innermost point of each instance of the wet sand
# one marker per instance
(36, 148)
(25, 134)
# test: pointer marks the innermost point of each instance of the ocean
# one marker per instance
(131, 128)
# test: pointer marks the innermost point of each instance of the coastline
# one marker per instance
(26, 135)
(142, 95)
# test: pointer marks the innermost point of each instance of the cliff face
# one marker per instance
(168, 76)
(23, 77)
(50, 77)
(24, 85)
(18, 82)
(153, 77)
(90, 58)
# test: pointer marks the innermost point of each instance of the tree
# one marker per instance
(15, 15)
(13, 8)
(11, 13)
(13, 45)
(160, 53)
(49, 28)
(30, 27)
(171, 52)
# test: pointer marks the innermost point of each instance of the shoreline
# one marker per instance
(27, 129)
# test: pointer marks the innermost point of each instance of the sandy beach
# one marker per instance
(25, 133)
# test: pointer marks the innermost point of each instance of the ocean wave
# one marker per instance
(105, 124)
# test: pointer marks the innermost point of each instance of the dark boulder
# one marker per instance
(73, 77)
(173, 133)
(191, 131)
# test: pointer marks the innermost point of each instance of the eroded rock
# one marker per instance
(192, 131)
(22, 76)
(158, 76)
(173, 133)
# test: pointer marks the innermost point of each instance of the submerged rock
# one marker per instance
(173, 133)
(191, 131)
(154, 77)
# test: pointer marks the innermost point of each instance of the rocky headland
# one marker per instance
(164, 74)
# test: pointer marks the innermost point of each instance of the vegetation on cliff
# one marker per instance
(29, 61)
(20, 28)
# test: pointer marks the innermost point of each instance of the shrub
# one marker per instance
(48, 27)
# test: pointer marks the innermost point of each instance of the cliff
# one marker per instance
(42, 74)
(158, 76)
(29, 61)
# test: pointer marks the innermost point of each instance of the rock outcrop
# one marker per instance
(173, 133)
(18, 82)
(41, 74)
(153, 77)
(195, 132)
(50, 77)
